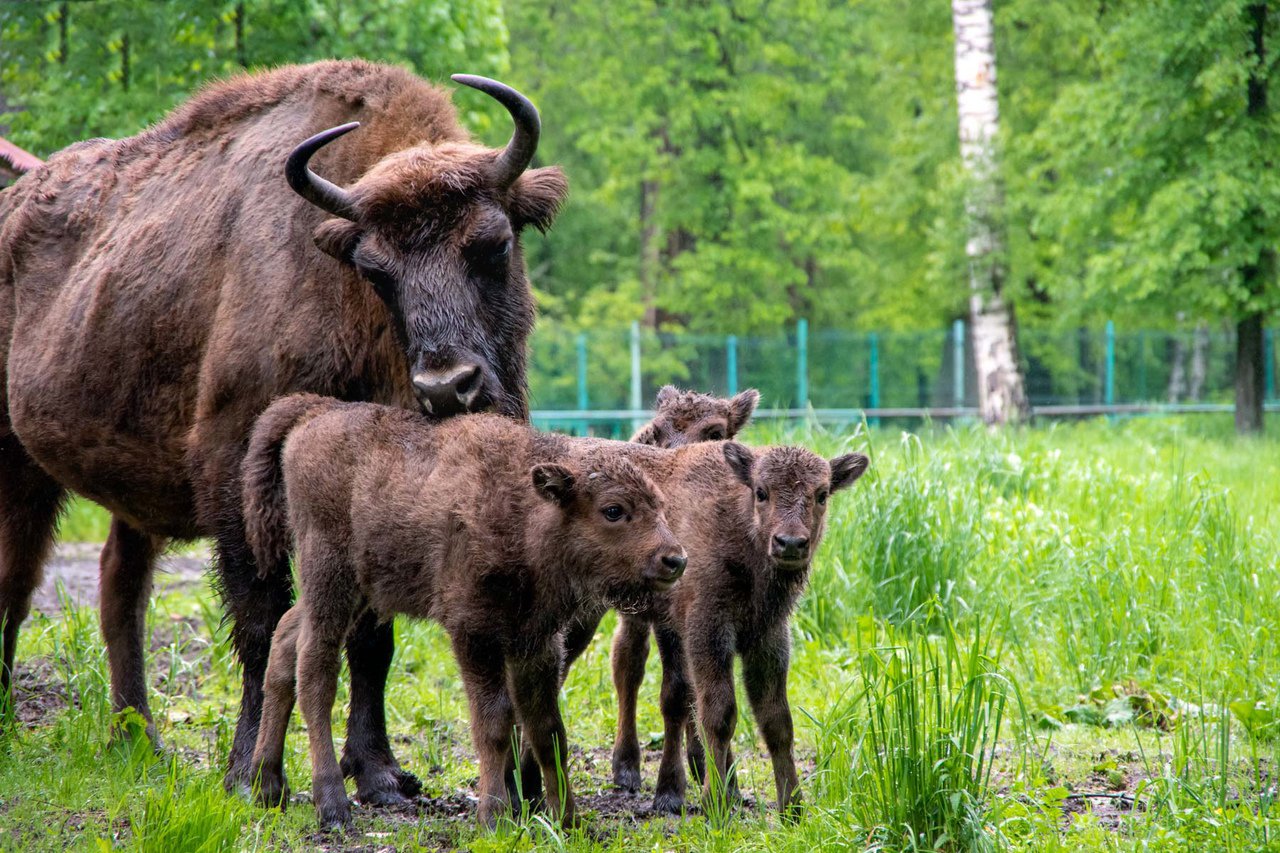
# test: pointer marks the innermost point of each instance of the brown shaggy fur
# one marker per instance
(157, 292)
(479, 523)
(751, 525)
(683, 417)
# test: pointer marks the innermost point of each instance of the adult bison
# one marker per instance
(157, 292)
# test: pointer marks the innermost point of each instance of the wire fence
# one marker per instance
(603, 381)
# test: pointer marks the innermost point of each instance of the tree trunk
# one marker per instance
(649, 252)
(1002, 396)
(1257, 277)
(1199, 363)
(1177, 366)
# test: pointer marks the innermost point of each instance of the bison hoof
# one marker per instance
(272, 788)
(334, 816)
(626, 778)
(668, 802)
(409, 784)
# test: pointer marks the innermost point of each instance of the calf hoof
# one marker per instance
(626, 773)
(271, 787)
(335, 815)
(668, 802)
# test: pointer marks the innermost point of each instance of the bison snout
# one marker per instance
(668, 570)
(450, 391)
(790, 548)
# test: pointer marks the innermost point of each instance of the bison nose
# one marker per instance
(450, 391)
(676, 563)
(790, 547)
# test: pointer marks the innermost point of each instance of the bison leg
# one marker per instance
(711, 663)
(367, 754)
(29, 504)
(765, 674)
(124, 584)
(255, 605)
(629, 653)
(279, 693)
(669, 796)
(535, 688)
(480, 660)
(319, 660)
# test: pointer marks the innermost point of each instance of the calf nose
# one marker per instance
(450, 391)
(790, 546)
(676, 563)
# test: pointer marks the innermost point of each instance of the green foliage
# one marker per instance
(72, 70)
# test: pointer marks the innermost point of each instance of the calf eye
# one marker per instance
(822, 498)
(761, 494)
(613, 512)
(714, 434)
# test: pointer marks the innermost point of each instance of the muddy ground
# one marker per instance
(75, 565)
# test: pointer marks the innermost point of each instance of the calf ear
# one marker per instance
(647, 434)
(553, 482)
(666, 394)
(338, 238)
(741, 408)
(846, 469)
(740, 460)
(536, 197)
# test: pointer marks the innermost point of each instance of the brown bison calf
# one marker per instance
(476, 522)
(749, 561)
(685, 417)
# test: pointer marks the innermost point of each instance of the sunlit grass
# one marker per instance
(971, 587)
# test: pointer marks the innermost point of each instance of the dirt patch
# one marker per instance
(75, 566)
(39, 692)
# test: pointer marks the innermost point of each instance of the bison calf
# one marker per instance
(684, 417)
(476, 522)
(750, 554)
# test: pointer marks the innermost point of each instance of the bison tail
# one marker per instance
(266, 514)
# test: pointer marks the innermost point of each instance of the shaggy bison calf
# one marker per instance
(685, 417)
(749, 558)
(478, 523)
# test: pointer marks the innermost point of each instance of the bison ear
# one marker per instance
(536, 197)
(740, 461)
(338, 238)
(647, 434)
(666, 394)
(741, 408)
(553, 482)
(846, 469)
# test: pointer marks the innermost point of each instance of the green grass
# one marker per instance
(997, 627)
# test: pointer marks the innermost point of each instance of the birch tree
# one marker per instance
(1002, 395)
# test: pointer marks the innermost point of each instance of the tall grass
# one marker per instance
(912, 750)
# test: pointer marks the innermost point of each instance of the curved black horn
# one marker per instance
(311, 186)
(515, 158)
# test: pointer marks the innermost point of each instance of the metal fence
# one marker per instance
(603, 381)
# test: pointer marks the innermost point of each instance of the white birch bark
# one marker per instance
(1002, 394)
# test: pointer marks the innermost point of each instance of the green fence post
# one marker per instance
(873, 383)
(583, 402)
(1142, 366)
(1109, 383)
(957, 366)
(731, 363)
(802, 363)
(1269, 363)
(635, 374)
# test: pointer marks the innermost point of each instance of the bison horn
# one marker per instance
(515, 158)
(311, 186)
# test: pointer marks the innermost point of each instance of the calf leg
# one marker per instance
(629, 653)
(319, 659)
(669, 797)
(481, 662)
(535, 685)
(255, 605)
(128, 560)
(278, 696)
(367, 754)
(29, 504)
(711, 662)
(765, 674)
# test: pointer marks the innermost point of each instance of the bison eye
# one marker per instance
(822, 498)
(714, 434)
(491, 257)
(761, 494)
(613, 512)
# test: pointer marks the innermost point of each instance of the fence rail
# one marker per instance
(602, 381)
